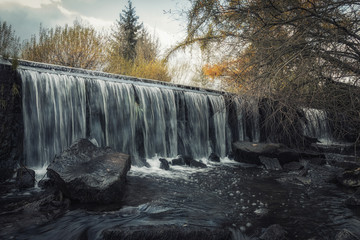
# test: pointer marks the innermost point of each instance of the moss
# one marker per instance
(15, 90)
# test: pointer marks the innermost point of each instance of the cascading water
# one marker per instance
(152, 120)
(317, 125)
(54, 114)
(138, 119)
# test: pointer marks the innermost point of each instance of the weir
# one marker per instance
(140, 117)
(134, 117)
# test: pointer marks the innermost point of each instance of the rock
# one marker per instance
(249, 152)
(187, 160)
(350, 178)
(164, 232)
(46, 183)
(318, 161)
(293, 166)
(164, 164)
(274, 232)
(87, 173)
(354, 200)
(311, 154)
(214, 157)
(346, 235)
(197, 164)
(347, 165)
(178, 161)
(270, 163)
(25, 178)
(139, 162)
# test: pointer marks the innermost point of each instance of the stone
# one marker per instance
(25, 178)
(165, 232)
(274, 232)
(187, 160)
(46, 183)
(197, 164)
(139, 162)
(90, 174)
(270, 163)
(347, 165)
(214, 157)
(178, 161)
(164, 164)
(318, 161)
(311, 154)
(293, 166)
(249, 152)
(354, 200)
(345, 234)
(350, 178)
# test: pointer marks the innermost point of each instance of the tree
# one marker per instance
(133, 51)
(74, 46)
(9, 42)
(284, 50)
(127, 32)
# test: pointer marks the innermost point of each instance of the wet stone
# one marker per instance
(164, 164)
(25, 178)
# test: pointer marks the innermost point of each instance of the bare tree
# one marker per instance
(293, 52)
(74, 46)
(9, 42)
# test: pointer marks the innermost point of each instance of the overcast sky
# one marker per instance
(26, 15)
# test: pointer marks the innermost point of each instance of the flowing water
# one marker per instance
(228, 195)
(155, 120)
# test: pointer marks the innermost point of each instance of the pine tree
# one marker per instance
(127, 34)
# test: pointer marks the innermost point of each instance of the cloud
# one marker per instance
(27, 17)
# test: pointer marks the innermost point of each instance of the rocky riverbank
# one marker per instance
(315, 198)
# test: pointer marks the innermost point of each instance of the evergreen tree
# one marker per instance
(127, 32)
(133, 51)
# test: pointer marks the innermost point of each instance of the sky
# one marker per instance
(158, 16)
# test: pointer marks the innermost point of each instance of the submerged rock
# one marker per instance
(346, 235)
(187, 160)
(165, 232)
(139, 162)
(25, 178)
(178, 161)
(274, 232)
(350, 178)
(293, 166)
(197, 164)
(354, 200)
(214, 157)
(249, 152)
(270, 163)
(88, 173)
(164, 164)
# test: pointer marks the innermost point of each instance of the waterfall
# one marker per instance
(316, 125)
(136, 118)
(53, 113)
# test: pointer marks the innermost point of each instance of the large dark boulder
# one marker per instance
(249, 152)
(165, 232)
(88, 173)
(25, 178)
